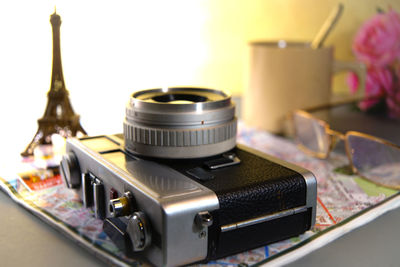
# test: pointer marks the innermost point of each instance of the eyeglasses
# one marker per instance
(372, 158)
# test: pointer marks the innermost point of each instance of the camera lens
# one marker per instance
(180, 123)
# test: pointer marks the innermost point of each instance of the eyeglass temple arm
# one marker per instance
(340, 103)
(335, 137)
(332, 105)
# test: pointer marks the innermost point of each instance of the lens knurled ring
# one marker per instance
(179, 137)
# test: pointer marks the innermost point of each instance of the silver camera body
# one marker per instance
(176, 189)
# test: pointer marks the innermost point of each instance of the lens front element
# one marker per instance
(179, 98)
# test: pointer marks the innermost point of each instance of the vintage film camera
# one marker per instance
(176, 189)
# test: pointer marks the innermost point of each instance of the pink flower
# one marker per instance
(377, 43)
(377, 81)
(378, 84)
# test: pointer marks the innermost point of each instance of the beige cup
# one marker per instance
(285, 76)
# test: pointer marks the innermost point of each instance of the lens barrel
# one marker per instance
(180, 122)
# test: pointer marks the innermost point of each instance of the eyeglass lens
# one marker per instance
(311, 133)
(376, 161)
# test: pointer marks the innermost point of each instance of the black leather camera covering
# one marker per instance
(250, 189)
(255, 187)
(222, 244)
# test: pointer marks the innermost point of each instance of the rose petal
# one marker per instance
(377, 43)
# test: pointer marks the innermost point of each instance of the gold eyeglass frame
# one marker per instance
(333, 138)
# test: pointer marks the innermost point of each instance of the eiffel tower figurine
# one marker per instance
(59, 117)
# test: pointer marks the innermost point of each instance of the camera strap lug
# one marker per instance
(98, 198)
(203, 219)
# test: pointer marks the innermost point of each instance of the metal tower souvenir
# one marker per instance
(59, 117)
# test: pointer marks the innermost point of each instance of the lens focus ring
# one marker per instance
(179, 138)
